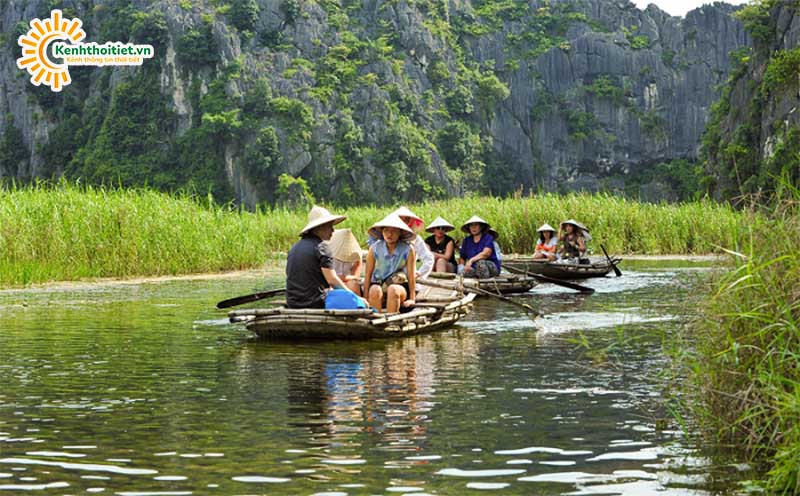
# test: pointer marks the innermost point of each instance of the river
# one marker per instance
(146, 389)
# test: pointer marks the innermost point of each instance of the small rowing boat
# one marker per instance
(502, 284)
(435, 309)
(562, 269)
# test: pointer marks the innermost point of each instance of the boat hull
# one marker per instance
(503, 284)
(598, 267)
(282, 323)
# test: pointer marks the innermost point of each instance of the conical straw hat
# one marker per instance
(578, 225)
(344, 246)
(475, 219)
(391, 220)
(405, 212)
(439, 222)
(319, 216)
(546, 227)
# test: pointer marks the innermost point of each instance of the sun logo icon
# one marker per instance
(34, 45)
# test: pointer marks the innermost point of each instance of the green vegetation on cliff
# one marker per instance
(749, 146)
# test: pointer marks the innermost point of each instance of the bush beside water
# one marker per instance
(70, 232)
(745, 350)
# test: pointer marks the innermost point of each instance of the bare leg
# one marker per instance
(441, 265)
(354, 286)
(375, 296)
(395, 297)
(539, 255)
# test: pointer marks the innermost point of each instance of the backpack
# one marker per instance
(342, 299)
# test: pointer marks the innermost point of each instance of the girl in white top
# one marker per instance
(547, 245)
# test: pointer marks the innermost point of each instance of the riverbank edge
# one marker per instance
(272, 267)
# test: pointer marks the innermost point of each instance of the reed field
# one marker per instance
(744, 350)
(70, 232)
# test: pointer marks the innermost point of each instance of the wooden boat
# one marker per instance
(597, 267)
(502, 284)
(435, 309)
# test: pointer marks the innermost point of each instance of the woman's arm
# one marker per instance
(483, 255)
(448, 251)
(355, 270)
(411, 265)
(368, 271)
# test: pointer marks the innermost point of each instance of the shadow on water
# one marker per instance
(117, 390)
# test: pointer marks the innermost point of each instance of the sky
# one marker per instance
(680, 7)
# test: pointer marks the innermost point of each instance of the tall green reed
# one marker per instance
(68, 231)
(746, 360)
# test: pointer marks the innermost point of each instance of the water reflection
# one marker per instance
(145, 390)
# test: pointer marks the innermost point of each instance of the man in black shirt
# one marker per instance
(309, 266)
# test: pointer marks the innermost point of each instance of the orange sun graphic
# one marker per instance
(34, 49)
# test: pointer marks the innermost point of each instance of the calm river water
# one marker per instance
(147, 390)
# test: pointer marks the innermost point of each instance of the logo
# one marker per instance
(65, 36)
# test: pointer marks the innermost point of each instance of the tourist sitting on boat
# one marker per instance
(548, 243)
(478, 256)
(442, 245)
(309, 265)
(572, 237)
(390, 274)
(423, 253)
(347, 258)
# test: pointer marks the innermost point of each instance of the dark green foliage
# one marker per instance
(262, 159)
(653, 125)
(198, 47)
(293, 192)
(499, 179)
(150, 28)
(462, 149)
(133, 139)
(12, 148)
(244, 14)
(604, 87)
(295, 116)
(668, 57)
(756, 19)
(490, 90)
(580, 124)
(783, 70)
(257, 98)
(405, 157)
(291, 9)
(459, 101)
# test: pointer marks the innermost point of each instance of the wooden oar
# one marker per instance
(240, 300)
(617, 272)
(551, 280)
(528, 309)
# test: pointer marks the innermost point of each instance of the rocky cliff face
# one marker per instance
(752, 143)
(372, 101)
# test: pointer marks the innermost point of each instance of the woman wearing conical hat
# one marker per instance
(547, 245)
(478, 254)
(573, 237)
(442, 245)
(346, 258)
(309, 265)
(424, 255)
(390, 274)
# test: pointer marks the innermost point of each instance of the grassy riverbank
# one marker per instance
(70, 232)
(746, 379)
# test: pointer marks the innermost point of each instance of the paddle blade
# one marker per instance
(241, 300)
(617, 272)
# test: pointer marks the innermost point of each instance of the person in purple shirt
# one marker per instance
(478, 255)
